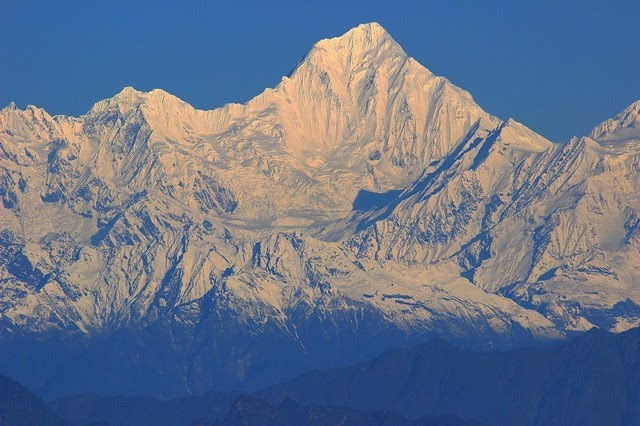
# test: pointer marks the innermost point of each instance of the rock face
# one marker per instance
(149, 247)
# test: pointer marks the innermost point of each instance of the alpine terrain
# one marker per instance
(148, 247)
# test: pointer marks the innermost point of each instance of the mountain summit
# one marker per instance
(360, 47)
(624, 125)
(362, 203)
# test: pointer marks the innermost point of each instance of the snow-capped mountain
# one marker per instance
(361, 203)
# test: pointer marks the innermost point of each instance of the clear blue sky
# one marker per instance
(560, 67)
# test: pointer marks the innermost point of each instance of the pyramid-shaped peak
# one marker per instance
(366, 45)
(363, 37)
(126, 99)
(369, 31)
(128, 93)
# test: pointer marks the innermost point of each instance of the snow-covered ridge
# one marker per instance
(356, 114)
(625, 126)
(629, 118)
(362, 193)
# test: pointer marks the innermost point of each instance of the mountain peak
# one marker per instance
(623, 125)
(367, 33)
(364, 37)
(129, 98)
(12, 106)
(363, 45)
(517, 134)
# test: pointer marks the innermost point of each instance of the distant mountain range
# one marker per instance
(254, 412)
(593, 379)
(150, 248)
(19, 407)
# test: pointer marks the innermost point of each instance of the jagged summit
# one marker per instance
(11, 106)
(362, 38)
(622, 126)
(366, 45)
(129, 98)
(372, 30)
(340, 103)
(345, 95)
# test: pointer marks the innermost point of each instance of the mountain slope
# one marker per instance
(591, 380)
(626, 123)
(546, 225)
(139, 411)
(360, 204)
(248, 411)
(18, 406)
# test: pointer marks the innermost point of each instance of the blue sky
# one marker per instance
(559, 67)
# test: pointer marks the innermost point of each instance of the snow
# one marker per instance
(624, 126)
(476, 210)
